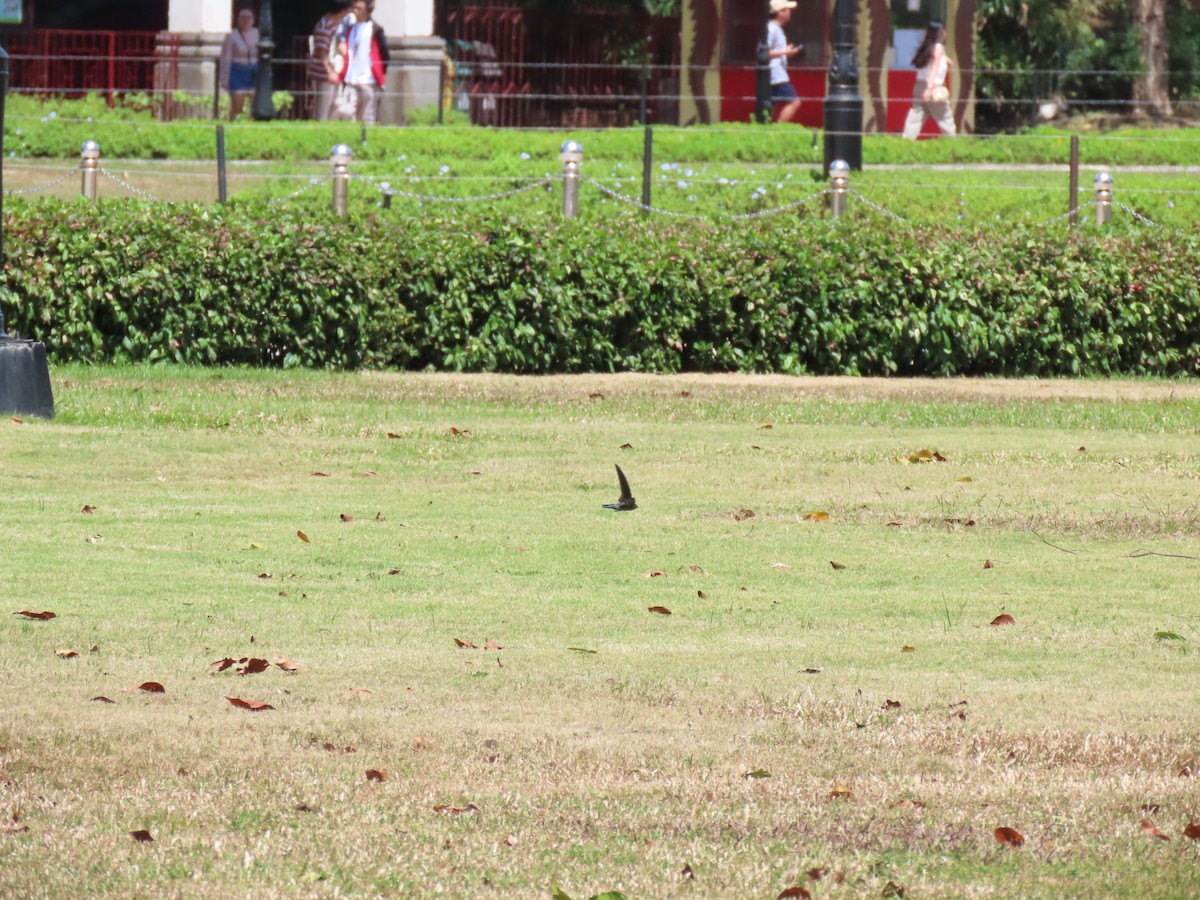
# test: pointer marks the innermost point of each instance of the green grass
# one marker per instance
(610, 770)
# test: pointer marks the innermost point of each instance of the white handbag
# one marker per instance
(939, 94)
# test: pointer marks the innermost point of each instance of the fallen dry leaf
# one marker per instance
(94, 539)
(286, 664)
(908, 648)
(794, 891)
(891, 704)
(418, 743)
(625, 447)
(661, 610)
(459, 432)
(102, 699)
(657, 573)
(151, 687)
(253, 667)
(840, 792)
(67, 654)
(252, 705)
(88, 509)
(966, 479)
(1151, 829)
(837, 566)
(492, 645)
(766, 427)
(696, 570)
(511, 841)
(356, 692)
(595, 395)
(816, 873)
(466, 645)
(222, 664)
(142, 836)
(303, 537)
(891, 889)
(392, 436)
(1010, 837)
(817, 515)
(17, 421)
(376, 774)
(455, 810)
(1003, 619)
(1192, 830)
(320, 474)
(780, 566)
(346, 517)
(988, 564)
(702, 595)
(41, 616)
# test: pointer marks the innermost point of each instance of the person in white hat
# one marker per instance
(783, 95)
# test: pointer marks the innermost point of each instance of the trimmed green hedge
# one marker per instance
(212, 285)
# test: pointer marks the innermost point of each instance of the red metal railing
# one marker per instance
(75, 62)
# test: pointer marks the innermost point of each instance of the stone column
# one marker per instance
(201, 26)
(414, 74)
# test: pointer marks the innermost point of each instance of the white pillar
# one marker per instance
(405, 18)
(200, 16)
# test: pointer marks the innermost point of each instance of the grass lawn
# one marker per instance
(826, 698)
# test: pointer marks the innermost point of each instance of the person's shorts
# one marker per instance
(241, 76)
(783, 92)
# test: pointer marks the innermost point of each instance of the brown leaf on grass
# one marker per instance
(357, 692)
(767, 427)
(966, 479)
(840, 792)
(455, 810)
(794, 891)
(625, 447)
(465, 645)
(41, 616)
(891, 889)
(492, 645)
(657, 573)
(837, 566)
(347, 517)
(253, 666)
(686, 872)
(151, 687)
(321, 475)
(988, 564)
(595, 395)
(696, 570)
(1192, 831)
(88, 509)
(778, 565)
(891, 704)
(376, 774)
(908, 804)
(265, 575)
(392, 436)
(222, 664)
(393, 571)
(893, 525)
(511, 841)
(330, 748)
(102, 699)
(303, 537)
(13, 827)
(142, 836)
(702, 595)
(1010, 837)
(1003, 619)
(459, 432)
(812, 671)
(252, 705)
(908, 648)
(817, 515)
(94, 539)
(661, 610)
(67, 654)
(1151, 829)
(742, 514)
(816, 873)
(16, 421)
(937, 456)
(286, 664)
(418, 743)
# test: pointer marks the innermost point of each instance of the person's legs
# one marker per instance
(943, 114)
(326, 93)
(368, 103)
(786, 100)
(237, 100)
(916, 116)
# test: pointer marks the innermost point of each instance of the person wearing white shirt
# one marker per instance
(783, 95)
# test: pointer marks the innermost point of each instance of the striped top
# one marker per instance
(321, 37)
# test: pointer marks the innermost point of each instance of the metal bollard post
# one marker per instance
(341, 156)
(571, 155)
(839, 183)
(1104, 197)
(89, 163)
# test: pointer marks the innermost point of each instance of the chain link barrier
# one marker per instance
(770, 212)
(876, 206)
(145, 195)
(387, 190)
(313, 183)
(66, 176)
(1137, 215)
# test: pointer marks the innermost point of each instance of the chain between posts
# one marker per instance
(389, 191)
(313, 182)
(66, 176)
(129, 187)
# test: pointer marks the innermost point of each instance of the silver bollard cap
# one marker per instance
(839, 168)
(341, 155)
(1104, 179)
(90, 150)
(571, 151)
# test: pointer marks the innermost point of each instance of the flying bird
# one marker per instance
(626, 502)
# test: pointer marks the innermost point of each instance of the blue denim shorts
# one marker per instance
(241, 76)
(783, 92)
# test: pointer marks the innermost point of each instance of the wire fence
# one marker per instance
(669, 190)
(591, 94)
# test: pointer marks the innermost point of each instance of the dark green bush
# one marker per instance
(211, 285)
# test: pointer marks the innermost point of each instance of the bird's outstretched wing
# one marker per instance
(626, 501)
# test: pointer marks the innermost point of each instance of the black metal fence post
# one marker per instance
(264, 105)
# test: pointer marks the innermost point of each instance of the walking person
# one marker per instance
(324, 67)
(783, 95)
(931, 97)
(365, 70)
(239, 61)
